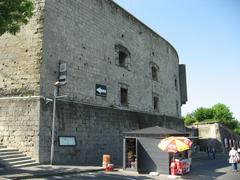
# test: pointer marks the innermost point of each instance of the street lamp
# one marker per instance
(55, 96)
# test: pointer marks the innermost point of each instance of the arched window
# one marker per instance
(154, 71)
(230, 143)
(122, 56)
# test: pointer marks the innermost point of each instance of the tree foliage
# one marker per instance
(189, 119)
(14, 14)
(202, 114)
(221, 112)
(217, 113)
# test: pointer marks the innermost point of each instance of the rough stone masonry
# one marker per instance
(101, 46)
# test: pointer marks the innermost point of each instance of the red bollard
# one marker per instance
(173, 168)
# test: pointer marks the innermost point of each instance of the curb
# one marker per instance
(41, 175)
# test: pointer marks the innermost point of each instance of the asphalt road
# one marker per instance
(207, 169)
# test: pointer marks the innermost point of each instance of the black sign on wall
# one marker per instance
(101, 90)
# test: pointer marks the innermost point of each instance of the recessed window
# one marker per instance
(155, 103)
(122, 58)
(177, 107)
(124, 96)
(175, 82)
(154, 73)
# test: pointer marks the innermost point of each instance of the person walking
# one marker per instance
(213, 153)
(208, 152)
(233, 158)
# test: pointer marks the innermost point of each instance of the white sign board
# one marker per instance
(63, 67)
(67, 141)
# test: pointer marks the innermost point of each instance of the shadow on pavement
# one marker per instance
(41, 171)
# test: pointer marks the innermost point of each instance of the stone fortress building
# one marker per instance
(117, 73)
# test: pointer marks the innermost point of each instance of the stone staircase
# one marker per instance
(13, 158)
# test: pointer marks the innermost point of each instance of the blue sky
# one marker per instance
(206, 35)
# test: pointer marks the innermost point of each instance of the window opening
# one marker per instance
(177, 104)
(122, 58)
(155, 103)
(124, 96)
(154, 73)
(175, 83)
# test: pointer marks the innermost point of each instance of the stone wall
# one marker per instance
(20, 58)
(228, 138)
(20, 61)
(84, 34)
(98, 130)
(19, 124)
(215, 135)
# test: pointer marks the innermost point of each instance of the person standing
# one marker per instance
(233, 158)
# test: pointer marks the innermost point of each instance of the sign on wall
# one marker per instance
(62, 73)
(101, 90)
(67, 140)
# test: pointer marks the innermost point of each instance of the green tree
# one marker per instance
(14, 14)
(217, 113)
(202, 114)
(189, 119)
(237, 130)
(222, 113)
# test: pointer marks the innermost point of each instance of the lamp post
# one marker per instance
(56, 85)
(55, 97)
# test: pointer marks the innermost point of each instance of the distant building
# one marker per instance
(117, 73)
(214, 135)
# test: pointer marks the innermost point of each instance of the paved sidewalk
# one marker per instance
(203, 168)
(45, 171)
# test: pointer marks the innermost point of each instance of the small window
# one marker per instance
(155, 103)
(177, 104)
(175, 83)
(154, 73)
(124, 96)
(122, 58)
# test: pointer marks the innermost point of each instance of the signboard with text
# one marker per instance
(67, 140)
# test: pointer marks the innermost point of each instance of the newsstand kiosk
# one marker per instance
(141, 152)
